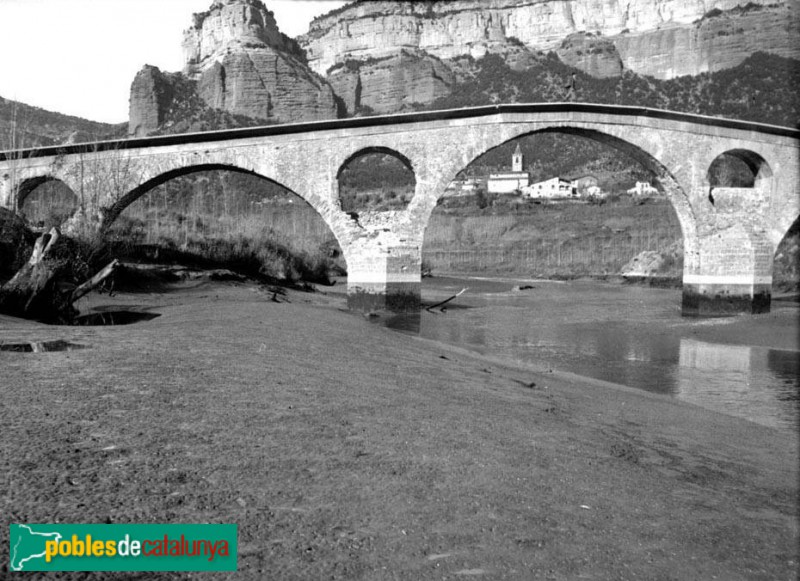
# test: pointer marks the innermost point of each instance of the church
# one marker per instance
(510, 182)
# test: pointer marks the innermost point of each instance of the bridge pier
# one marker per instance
(384, 279)
(719, 296)
(734, 275)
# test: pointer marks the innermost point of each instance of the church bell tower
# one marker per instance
(516, 160)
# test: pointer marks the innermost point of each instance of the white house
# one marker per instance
(552, 188)
(463, 187)
(509, 182)
(643, 189)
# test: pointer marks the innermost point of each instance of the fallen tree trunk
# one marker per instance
(44, 288)
(95, 281)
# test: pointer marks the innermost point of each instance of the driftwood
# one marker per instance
(444, 302)
(44, 288)
(95, 281)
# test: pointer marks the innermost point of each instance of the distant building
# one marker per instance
(549, 189)
(643, 189)
(584, 184)
(510, 182)
(463, 187)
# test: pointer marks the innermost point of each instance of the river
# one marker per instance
(746, 366)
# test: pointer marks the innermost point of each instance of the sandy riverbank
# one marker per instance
(346, 451)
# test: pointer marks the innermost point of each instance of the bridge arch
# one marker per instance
(786, 264)
(112, 212)
(739, 168)
(381, 149)
(665, 181)
(348, 201)
(27, 186)
(46, 200)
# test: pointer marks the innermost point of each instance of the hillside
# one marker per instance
(23, 125)
(763, 88)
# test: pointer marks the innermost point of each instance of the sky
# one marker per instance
(79, 57)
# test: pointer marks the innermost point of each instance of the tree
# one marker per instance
(484, 199)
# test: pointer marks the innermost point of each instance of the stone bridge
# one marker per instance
(730, 234)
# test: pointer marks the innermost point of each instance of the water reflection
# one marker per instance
(113, 318)
(756, 383)
(40, 346)
(628, 335)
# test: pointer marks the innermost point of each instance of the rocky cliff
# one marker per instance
(231, 26)
(152, 93)
(595, 55)
(387, 85)
(651, 37)
(388, 56)
(718, 40)
(238, 62)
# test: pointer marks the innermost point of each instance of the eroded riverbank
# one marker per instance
(347, 451)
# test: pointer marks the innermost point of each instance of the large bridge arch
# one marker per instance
(161, 175)
(665, 180)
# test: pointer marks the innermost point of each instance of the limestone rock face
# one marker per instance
(151, 96)
(393, 83)
(346, 83)
(266, 84)
(712, 44)
(230, 26)
(446, 30)
(594, 55)
(242, 64)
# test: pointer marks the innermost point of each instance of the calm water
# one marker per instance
(630, 335)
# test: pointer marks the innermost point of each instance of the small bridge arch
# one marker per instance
(352, 156)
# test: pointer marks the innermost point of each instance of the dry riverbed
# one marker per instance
(344, 450)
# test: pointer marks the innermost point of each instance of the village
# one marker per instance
(517, 182)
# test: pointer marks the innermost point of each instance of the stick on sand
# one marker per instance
(458, 294)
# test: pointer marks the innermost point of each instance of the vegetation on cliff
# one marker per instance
(763, 88)
(24, 126)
